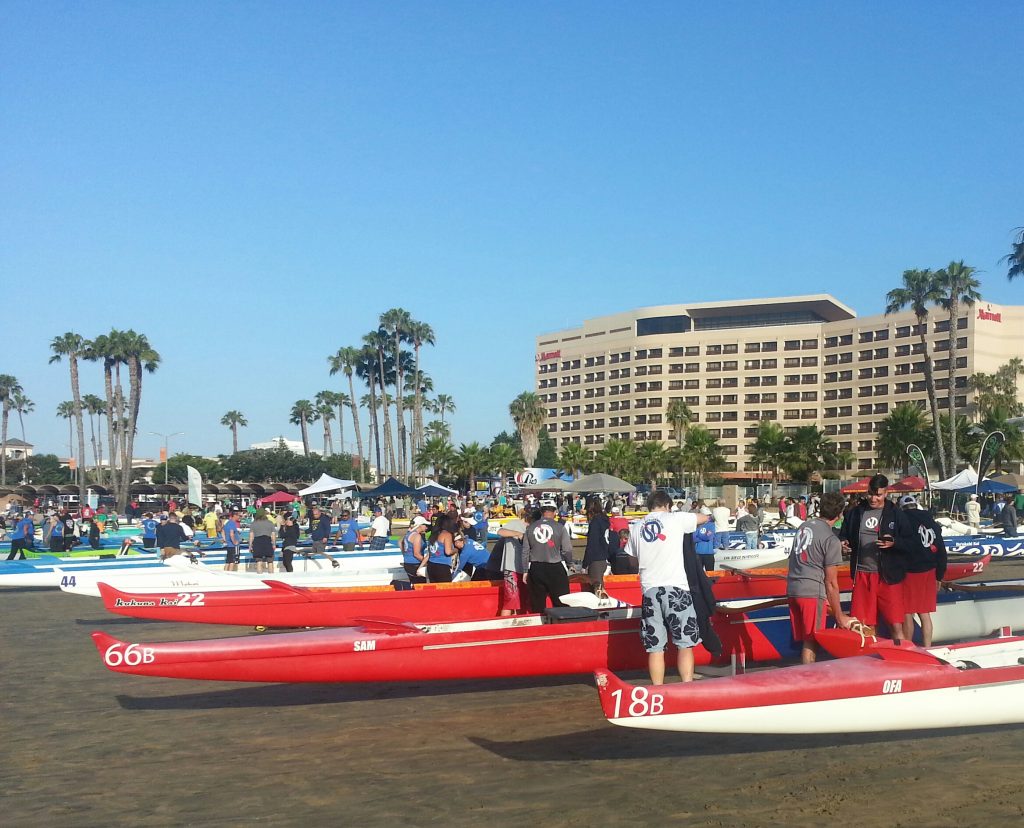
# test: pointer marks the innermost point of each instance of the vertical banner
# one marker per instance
(195, 486)
(989, 449)
(917, 458)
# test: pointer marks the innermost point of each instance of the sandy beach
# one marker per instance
(84, 746)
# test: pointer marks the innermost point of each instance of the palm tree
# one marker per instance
(650, 460)
(963, 429)
(997, 418)
(573, 458)
(105, 348)
(504, 458)
(9, 387)
(809, 450)
(398, 322)
(770, 448)
(325, 408)
(702, 454)
(233, 419)
(366, 369)
(471, 460)
(679, 416)
(1015, 258)
(906, 424)
(94, 406)
(421, 334)
(435, 453)
(920, 289)
(66, 411)
(342, 402)
(23, 405)
(302, 414)
(436, 428)
(528, 414)
(379, 342)
(73, 346)
(443, 403)
(345, 360)
(958, 287)
(615, 457)
(140, 357)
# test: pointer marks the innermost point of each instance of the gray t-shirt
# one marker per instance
(262, 528)
(815, 547)
(867, 545)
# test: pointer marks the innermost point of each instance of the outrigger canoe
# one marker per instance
(276, 604)
(557, 643)
(893, 688)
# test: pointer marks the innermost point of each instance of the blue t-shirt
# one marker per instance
(24, 530)
(232, 533)
(473, 553)
(57, 530)
(149, 528)
(704, 538)
(480, 525)
(347, 532)
(321, 530)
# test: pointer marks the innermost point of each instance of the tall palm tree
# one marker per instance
(106, 349)
(9, 387)
(302, 414)
(140, 358)
(443, 403)
(73, 346)
(343, 402)
(379, 342)
(528, 414)
(679, 416)
(233, 419)
(435, 453)
(397, 322)
(421, 334)
(435, 429)
(920, 289)
(95, 406)
(66, 411)
(325, 408)
(345, 361)
(904, 425)
(22, 405)
(370, 403)
(770, 448)
(959, 287)
(472, 459)
(1014, 260)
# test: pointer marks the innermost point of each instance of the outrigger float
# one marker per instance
(277, 604)
(562, 641)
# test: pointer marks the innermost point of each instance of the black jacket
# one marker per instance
(598, 548)
(892, 563)
(928, 550)
(703, 597)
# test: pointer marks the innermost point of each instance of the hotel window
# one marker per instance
(751, 364)
(692, 350)
(809, 344)
(766, 347)
(752, 348)
(769, 398)
(792, 345)
(769, 364)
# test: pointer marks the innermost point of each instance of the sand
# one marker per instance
(83, 746)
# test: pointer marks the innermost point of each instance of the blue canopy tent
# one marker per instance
(989, 486)
(434, 489)
(390, 488)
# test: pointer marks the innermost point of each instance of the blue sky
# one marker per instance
(252, 184)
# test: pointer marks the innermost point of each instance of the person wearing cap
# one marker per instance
(320, 533)
(547, 555)
(347, 535)
(262, 536)
(232, 540)
(22, 537)
(149, 525)
(289, 540)
(170, 536)
(974, 513)
(380, 530)
(442, 548)
(877, 535)
(414, 549)
(926, 567)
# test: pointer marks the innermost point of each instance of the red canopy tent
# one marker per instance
(859, 487)
(909, 484)
(277, 497)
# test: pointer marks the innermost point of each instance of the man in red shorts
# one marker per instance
(814, 563)
(926, 566)
(877, 535)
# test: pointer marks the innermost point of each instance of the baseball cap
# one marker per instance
(377, 510)
(908, 501)
(616, 510)
(419, 520)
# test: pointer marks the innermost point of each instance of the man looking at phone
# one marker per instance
(876, 535)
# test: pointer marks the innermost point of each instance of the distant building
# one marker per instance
(294, 446)
(18, 449)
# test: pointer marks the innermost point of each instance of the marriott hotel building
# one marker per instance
(802, 360)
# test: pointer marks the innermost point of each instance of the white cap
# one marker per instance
(419, 520)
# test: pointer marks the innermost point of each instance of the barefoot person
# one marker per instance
(668, 613)
(814, 563)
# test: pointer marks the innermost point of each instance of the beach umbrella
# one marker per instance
(857, 487)
(601, 483)
(909, 484)
(277, 497)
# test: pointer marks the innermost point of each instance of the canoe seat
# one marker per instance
(562, 615)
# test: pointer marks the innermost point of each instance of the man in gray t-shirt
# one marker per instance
(813, 579)
(867, 545)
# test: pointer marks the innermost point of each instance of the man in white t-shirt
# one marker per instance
(667, 608)
(380, 529)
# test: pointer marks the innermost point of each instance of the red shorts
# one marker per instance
(873, 597)
(513, 594)
(806, 617)
(919, 590)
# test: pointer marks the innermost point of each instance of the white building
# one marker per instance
(295, 446)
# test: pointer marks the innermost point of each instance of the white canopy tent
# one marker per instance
(326, 483)
(960, 480)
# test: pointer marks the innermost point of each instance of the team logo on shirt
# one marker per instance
(927, 537)
(801, 543)
(652, 530)
(871, 523)
(543, 534)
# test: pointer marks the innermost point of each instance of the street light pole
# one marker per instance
(166, 439)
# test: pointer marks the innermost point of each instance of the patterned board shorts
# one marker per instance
(667, 613)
